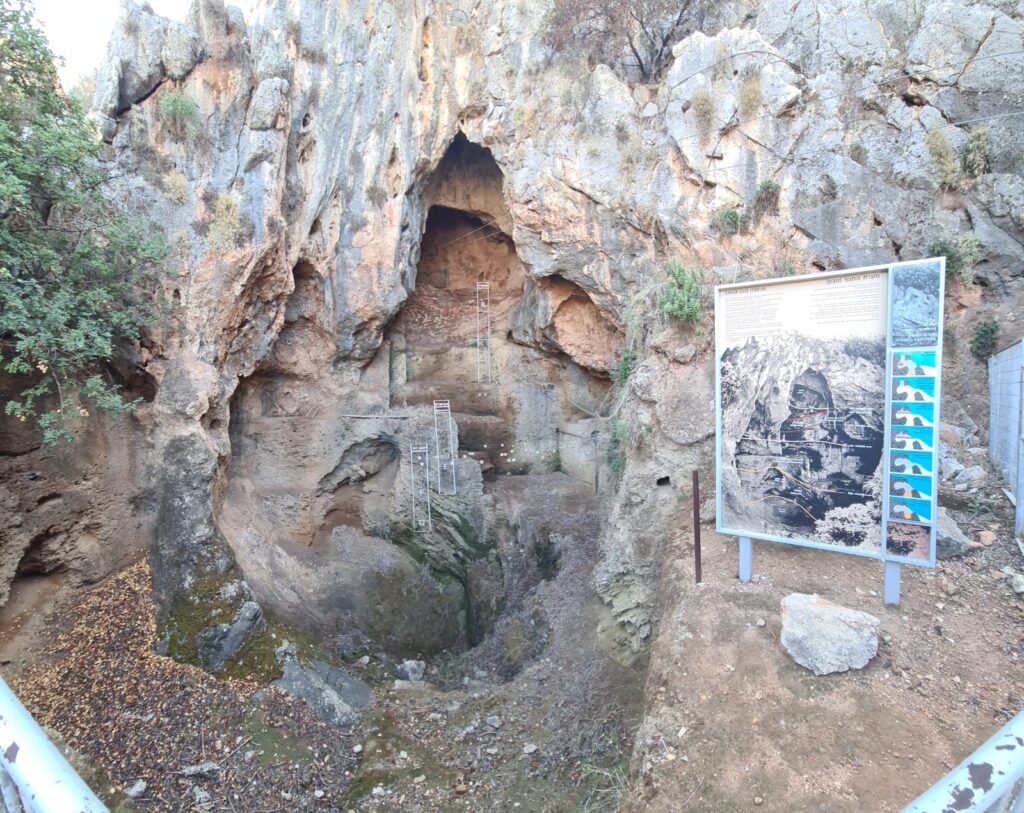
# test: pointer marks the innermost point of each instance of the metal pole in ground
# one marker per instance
(696, 526)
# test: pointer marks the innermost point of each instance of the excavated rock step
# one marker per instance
(469, 397)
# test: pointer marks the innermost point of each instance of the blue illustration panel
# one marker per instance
(913, 390)
(916, 363)
(912, 439)
(911, 463)
(910, 510)
(911, 414)
(910, 486)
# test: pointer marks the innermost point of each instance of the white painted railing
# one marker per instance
(990, 779)
(34, 776)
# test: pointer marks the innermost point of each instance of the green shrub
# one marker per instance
(727, 222)
(225, 224)
(974, 155)
(858, 152)
(680, 296)
(178, 113)
(617, 447)
(962, 254)
(983, 342)
(702, 105)
(623, 369)
(766, 199)
(944, 159)
(749, 99)
(175, 187)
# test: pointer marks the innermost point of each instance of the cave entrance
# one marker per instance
(438, 329)
(441, 348)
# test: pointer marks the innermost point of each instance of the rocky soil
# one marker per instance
(732, 723)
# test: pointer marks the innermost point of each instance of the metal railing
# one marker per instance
(1006, 422)
(990, 779)
(34, 776)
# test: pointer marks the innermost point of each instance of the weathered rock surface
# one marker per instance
(335, 696)
(950, 541)
(411, 670)
(825, 637)
(217, 644)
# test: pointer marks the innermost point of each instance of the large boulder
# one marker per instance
(335, 696)
(825, 637)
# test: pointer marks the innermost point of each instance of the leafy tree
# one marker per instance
(642, 29)
(70, 265)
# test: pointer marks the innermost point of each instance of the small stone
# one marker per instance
(286, 652)
(403, 755)
(411, 670)
(761, 622)
(1016, 582)
(136, 789)
(201, 796)
(492, 751)
(987, 538)
(419, 780)
(494, 721)
(378, 790)
(357, 749)
(319, 794)
(969, 475)
(948, 587)
(529, 748)
(758, 800)
(203, 769)
(461, 789)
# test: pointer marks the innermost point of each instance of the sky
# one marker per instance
(78, 30)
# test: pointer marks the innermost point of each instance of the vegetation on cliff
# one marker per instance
(70, 263)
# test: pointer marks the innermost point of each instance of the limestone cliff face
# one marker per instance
(335, 150)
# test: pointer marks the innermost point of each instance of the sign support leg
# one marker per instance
(746, 558)
(892, 583)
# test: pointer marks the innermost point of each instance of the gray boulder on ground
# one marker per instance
(825, 637)
(411, 670)
(216, 645)
(950, 541)
(335, 696)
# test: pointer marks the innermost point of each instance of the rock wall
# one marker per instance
(297, 193)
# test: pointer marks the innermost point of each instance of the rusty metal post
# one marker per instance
(696, 526)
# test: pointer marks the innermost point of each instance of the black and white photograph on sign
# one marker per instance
(802, 396)
(912, 541)
(916, 304)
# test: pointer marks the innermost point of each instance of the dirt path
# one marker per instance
(734, 724)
